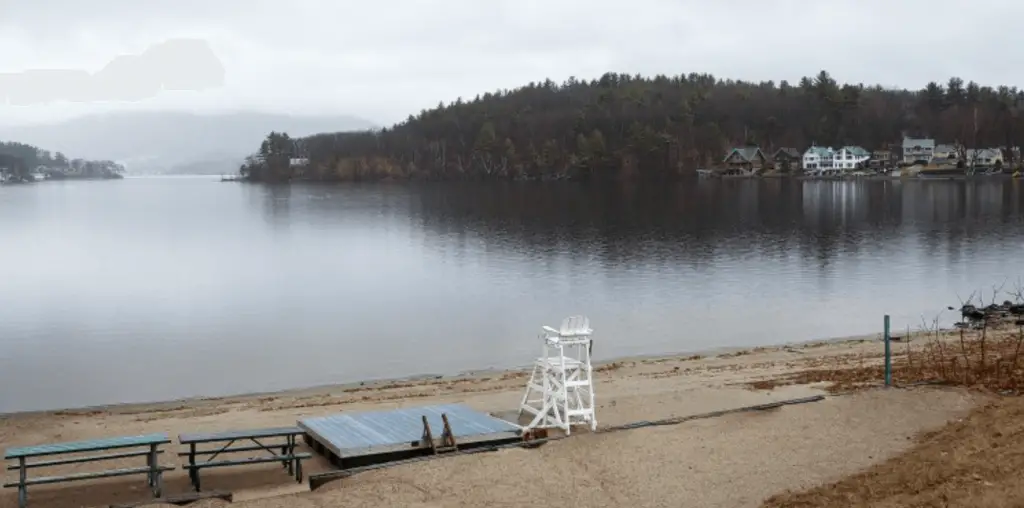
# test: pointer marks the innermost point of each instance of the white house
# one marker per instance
(850, 157)
(817, 158)
(985, 157)
(918, 150)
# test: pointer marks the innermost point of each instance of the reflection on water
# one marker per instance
(156, 288)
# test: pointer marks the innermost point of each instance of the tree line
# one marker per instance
(630, 126)
(18, 161)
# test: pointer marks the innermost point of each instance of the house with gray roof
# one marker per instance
(985, 157)
(745, 160)
(787, 159)
(945, 152)
(917, 150)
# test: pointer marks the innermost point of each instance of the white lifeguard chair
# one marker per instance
(560, 392)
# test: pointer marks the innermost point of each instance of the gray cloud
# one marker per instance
(177, 64)
(388, 58)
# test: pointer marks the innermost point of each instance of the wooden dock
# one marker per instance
(360, 439)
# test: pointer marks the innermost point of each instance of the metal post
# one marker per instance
(888, 353)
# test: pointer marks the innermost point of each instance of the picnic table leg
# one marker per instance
(193, 473)
(22, 488)
(154, 471)
(158, 484)
(291, 453)
(284, 452)
(297, 462)
(149, 475)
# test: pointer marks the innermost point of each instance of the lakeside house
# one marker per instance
(818, 157)
(827, 161)
(881, 159)
(945, 152)
(744, 161)
(787, 159)
(850, 157)
(950, 154)
(818, 160)
(917, 150)
(986, 157)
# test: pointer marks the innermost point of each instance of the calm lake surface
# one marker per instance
(157, 288)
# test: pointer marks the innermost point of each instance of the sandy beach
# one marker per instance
(735, 460)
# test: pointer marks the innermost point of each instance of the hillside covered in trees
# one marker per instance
(623, 126)
(19, 160)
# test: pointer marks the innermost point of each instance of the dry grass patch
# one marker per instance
(990, 359)
(977, 461)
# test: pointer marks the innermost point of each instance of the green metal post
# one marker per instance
(888, 354)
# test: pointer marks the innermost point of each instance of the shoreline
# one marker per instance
(630, 390)
(464, 376)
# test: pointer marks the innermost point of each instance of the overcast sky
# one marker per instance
(385, 59)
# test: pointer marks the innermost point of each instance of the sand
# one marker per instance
(731, 461)
(973, 462)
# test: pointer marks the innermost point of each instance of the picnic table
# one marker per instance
(282, 450)
(149, 443)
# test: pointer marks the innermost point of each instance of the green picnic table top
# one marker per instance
(234, 435)
(91, 445)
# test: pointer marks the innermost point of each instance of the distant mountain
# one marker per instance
(173, 142)
(214, 166)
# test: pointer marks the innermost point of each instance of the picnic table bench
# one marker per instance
(283, 452)
(149, 443)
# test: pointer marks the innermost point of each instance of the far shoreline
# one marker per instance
(471, 375)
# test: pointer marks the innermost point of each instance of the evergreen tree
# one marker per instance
(621, 126)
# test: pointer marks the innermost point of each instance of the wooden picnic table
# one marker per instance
(150, 444)
(283, 452)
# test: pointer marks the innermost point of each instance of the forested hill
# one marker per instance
(630, 126)
(19, 160)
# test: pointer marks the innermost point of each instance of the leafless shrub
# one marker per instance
(985, 354)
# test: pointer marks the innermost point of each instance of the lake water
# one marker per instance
(156, 288)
